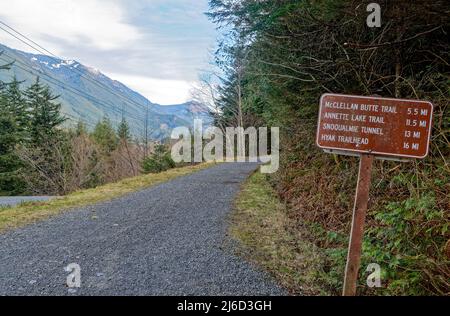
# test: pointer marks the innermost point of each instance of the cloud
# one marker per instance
(164, 92)
(98, 23)
(163, 43)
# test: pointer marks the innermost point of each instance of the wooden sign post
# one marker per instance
(371, 127)
(359, 218)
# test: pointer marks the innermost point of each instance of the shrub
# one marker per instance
(159, 161)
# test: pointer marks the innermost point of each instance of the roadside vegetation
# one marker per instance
(279, 57)
(271, 239)
(38, 156)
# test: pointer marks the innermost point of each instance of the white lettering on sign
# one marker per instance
(337, 116)
(353, 140)
(389, 109)
(341, 127)
(341, 105)
(369, 107)
(372, 130)
(375, 125)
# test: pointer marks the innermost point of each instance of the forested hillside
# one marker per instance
(280, 56)
(41, 156)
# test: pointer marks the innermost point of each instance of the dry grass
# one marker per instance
(261, 224)
(26, 213)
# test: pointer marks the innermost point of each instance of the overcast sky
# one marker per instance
(156, 47)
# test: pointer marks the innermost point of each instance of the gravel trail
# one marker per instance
(165, 240)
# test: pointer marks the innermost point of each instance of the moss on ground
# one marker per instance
(269, 238)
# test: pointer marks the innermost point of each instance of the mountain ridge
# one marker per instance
(88, 95)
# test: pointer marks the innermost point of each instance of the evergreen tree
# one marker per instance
(80, 129)
(17, 105)
(159, 161)
(45, 113)
(123, 131)
(10, 135)
(105, 136)
(9, 163)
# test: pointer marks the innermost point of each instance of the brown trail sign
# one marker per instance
(371, 127)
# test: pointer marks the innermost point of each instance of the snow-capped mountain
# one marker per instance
(88, 95)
